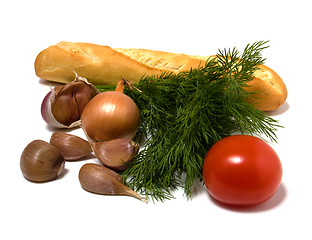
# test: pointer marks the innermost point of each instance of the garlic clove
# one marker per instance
(115, 153)
(71, 147)
(41, 162)
(62, 106)
(99, 179)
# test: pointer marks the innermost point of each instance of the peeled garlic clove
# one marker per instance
(41, 162)
(71, 147)
(99, 179)
(62, 106)
(115, 153)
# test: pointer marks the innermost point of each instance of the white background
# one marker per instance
(61, 209)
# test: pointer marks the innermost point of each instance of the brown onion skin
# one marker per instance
(110, 115)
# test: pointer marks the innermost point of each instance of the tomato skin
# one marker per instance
(242, 170)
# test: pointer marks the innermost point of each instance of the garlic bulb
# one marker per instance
(41, 162)
(62, 106)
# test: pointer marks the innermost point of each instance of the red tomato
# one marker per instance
(242, 170)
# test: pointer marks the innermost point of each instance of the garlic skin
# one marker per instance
(71, 147)
(62, 106)
(46, 111)
(99, 179)
(41, 162)
(116, 153)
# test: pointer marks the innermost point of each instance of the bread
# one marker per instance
(271, 91)
(105, 65)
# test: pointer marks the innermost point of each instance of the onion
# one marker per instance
(111, 115)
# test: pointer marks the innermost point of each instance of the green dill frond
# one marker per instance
(104, 88)
(183, 115)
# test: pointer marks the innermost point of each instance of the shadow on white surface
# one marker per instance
(282, 109)
(64, 172)
(49, 83)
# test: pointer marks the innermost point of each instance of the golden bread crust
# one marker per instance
(99, 64)
(105, 65)
(271, 91)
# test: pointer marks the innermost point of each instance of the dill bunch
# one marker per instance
(183, 115)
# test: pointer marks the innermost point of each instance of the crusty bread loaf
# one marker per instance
(105, 65)
(270, 88)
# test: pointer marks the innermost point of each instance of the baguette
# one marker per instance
(105, 65)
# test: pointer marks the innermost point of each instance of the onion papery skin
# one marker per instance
(110, 115)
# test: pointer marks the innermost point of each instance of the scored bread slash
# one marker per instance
(103, 65)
